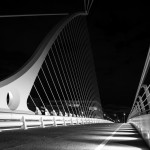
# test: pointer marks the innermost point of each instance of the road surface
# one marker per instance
(77, 137)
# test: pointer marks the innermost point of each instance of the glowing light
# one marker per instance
(117, 133)
(120, 138)
(125, 133)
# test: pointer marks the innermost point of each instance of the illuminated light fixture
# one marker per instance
(120, 138)
(106, 132)
(117, 133)
(125, 133)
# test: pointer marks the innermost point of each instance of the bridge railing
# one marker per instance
(140, 112)
(25, 121)
(142, 124)
(142, 103)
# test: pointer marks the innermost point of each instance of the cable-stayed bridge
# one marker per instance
(57, 87)
(59, 78)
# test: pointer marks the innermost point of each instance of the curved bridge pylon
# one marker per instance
(59, 79)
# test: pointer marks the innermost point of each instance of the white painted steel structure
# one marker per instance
(22, 121)
(81, 103)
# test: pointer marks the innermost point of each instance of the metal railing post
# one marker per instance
(141, 104)
(138, 108)
(71, 120)
(148, 98)
(42, 122)
(54, 119)
(77, 121)
(24, 126)
(64, 121)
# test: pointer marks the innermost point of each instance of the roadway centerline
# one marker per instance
(123, 138)
(107, 139)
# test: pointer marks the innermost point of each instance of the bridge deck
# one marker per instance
(85, 137)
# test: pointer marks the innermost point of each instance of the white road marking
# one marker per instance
(107, 139)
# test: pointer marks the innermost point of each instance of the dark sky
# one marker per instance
(20, 36)
(120, 37)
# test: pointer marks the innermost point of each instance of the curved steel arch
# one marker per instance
(14, 91)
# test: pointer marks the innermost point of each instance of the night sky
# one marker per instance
(119, 33)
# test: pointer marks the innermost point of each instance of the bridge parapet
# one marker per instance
(142, 124)
(140, 112)
(25, 121)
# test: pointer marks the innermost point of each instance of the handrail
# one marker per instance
(141, 80)
(141, 123)
(145, 90)
(23, 121)
(141, 112)
(142, 106)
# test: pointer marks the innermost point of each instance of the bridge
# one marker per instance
(53, 100)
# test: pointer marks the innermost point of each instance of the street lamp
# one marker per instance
(116, 118)
(124, 116)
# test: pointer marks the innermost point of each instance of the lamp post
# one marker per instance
(116, 117)
(124, 116)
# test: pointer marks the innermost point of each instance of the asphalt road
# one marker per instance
(77, 137)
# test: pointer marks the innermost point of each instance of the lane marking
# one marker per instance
(107, 139)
